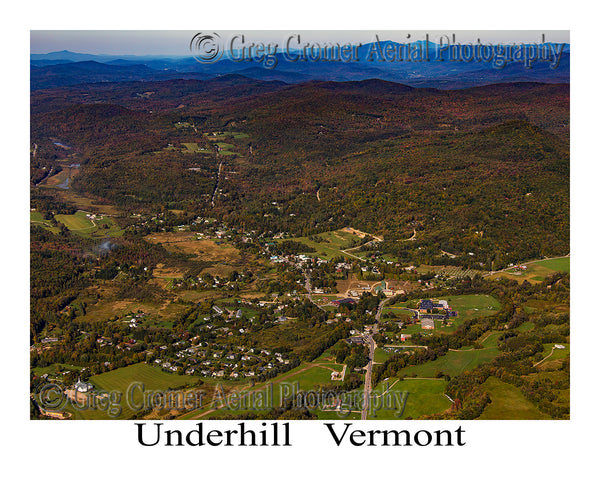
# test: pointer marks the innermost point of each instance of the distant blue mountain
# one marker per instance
(416, 69)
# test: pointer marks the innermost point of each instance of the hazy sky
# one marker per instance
(176, 42)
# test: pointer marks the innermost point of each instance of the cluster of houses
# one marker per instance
(223, 363)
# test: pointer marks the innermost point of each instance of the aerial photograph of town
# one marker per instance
(300, 225)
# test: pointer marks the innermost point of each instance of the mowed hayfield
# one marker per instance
(77, 221)
(193, 147)
(508, 403)
(99, 227)
(537, 271)
(121, 381)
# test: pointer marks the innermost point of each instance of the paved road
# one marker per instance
(371, 343)
(309, 290)
(212, 199)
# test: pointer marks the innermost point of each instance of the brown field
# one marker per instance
(196, 296)
(361, 234)
(167, 272)
(185, 242)
(82, 202)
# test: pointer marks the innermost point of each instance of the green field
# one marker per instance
(36, 218)
(557, 353)
(538, 271)
(425, 397)
(100, 227)
(453, 363)
(77, 221)
(54, 368)
(381, 355)
(193, 147)
(329, 244)
(473, 306)
(508, 403)
(223, 135)
(120, 380)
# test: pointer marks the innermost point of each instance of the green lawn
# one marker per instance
(558, 353)
(381, 355)
(508, 403)
(473, 306)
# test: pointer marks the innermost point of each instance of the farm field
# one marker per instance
(330, 244)
(453, 363)
(425, 397)
(449, 271)
(193, 148)
(107, 308)
(508, 403)
(98, 228)
(119, 380)
(204, 249)
(36, 218)
(224, 135)
(538, 270)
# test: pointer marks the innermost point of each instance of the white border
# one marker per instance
(546, 449)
